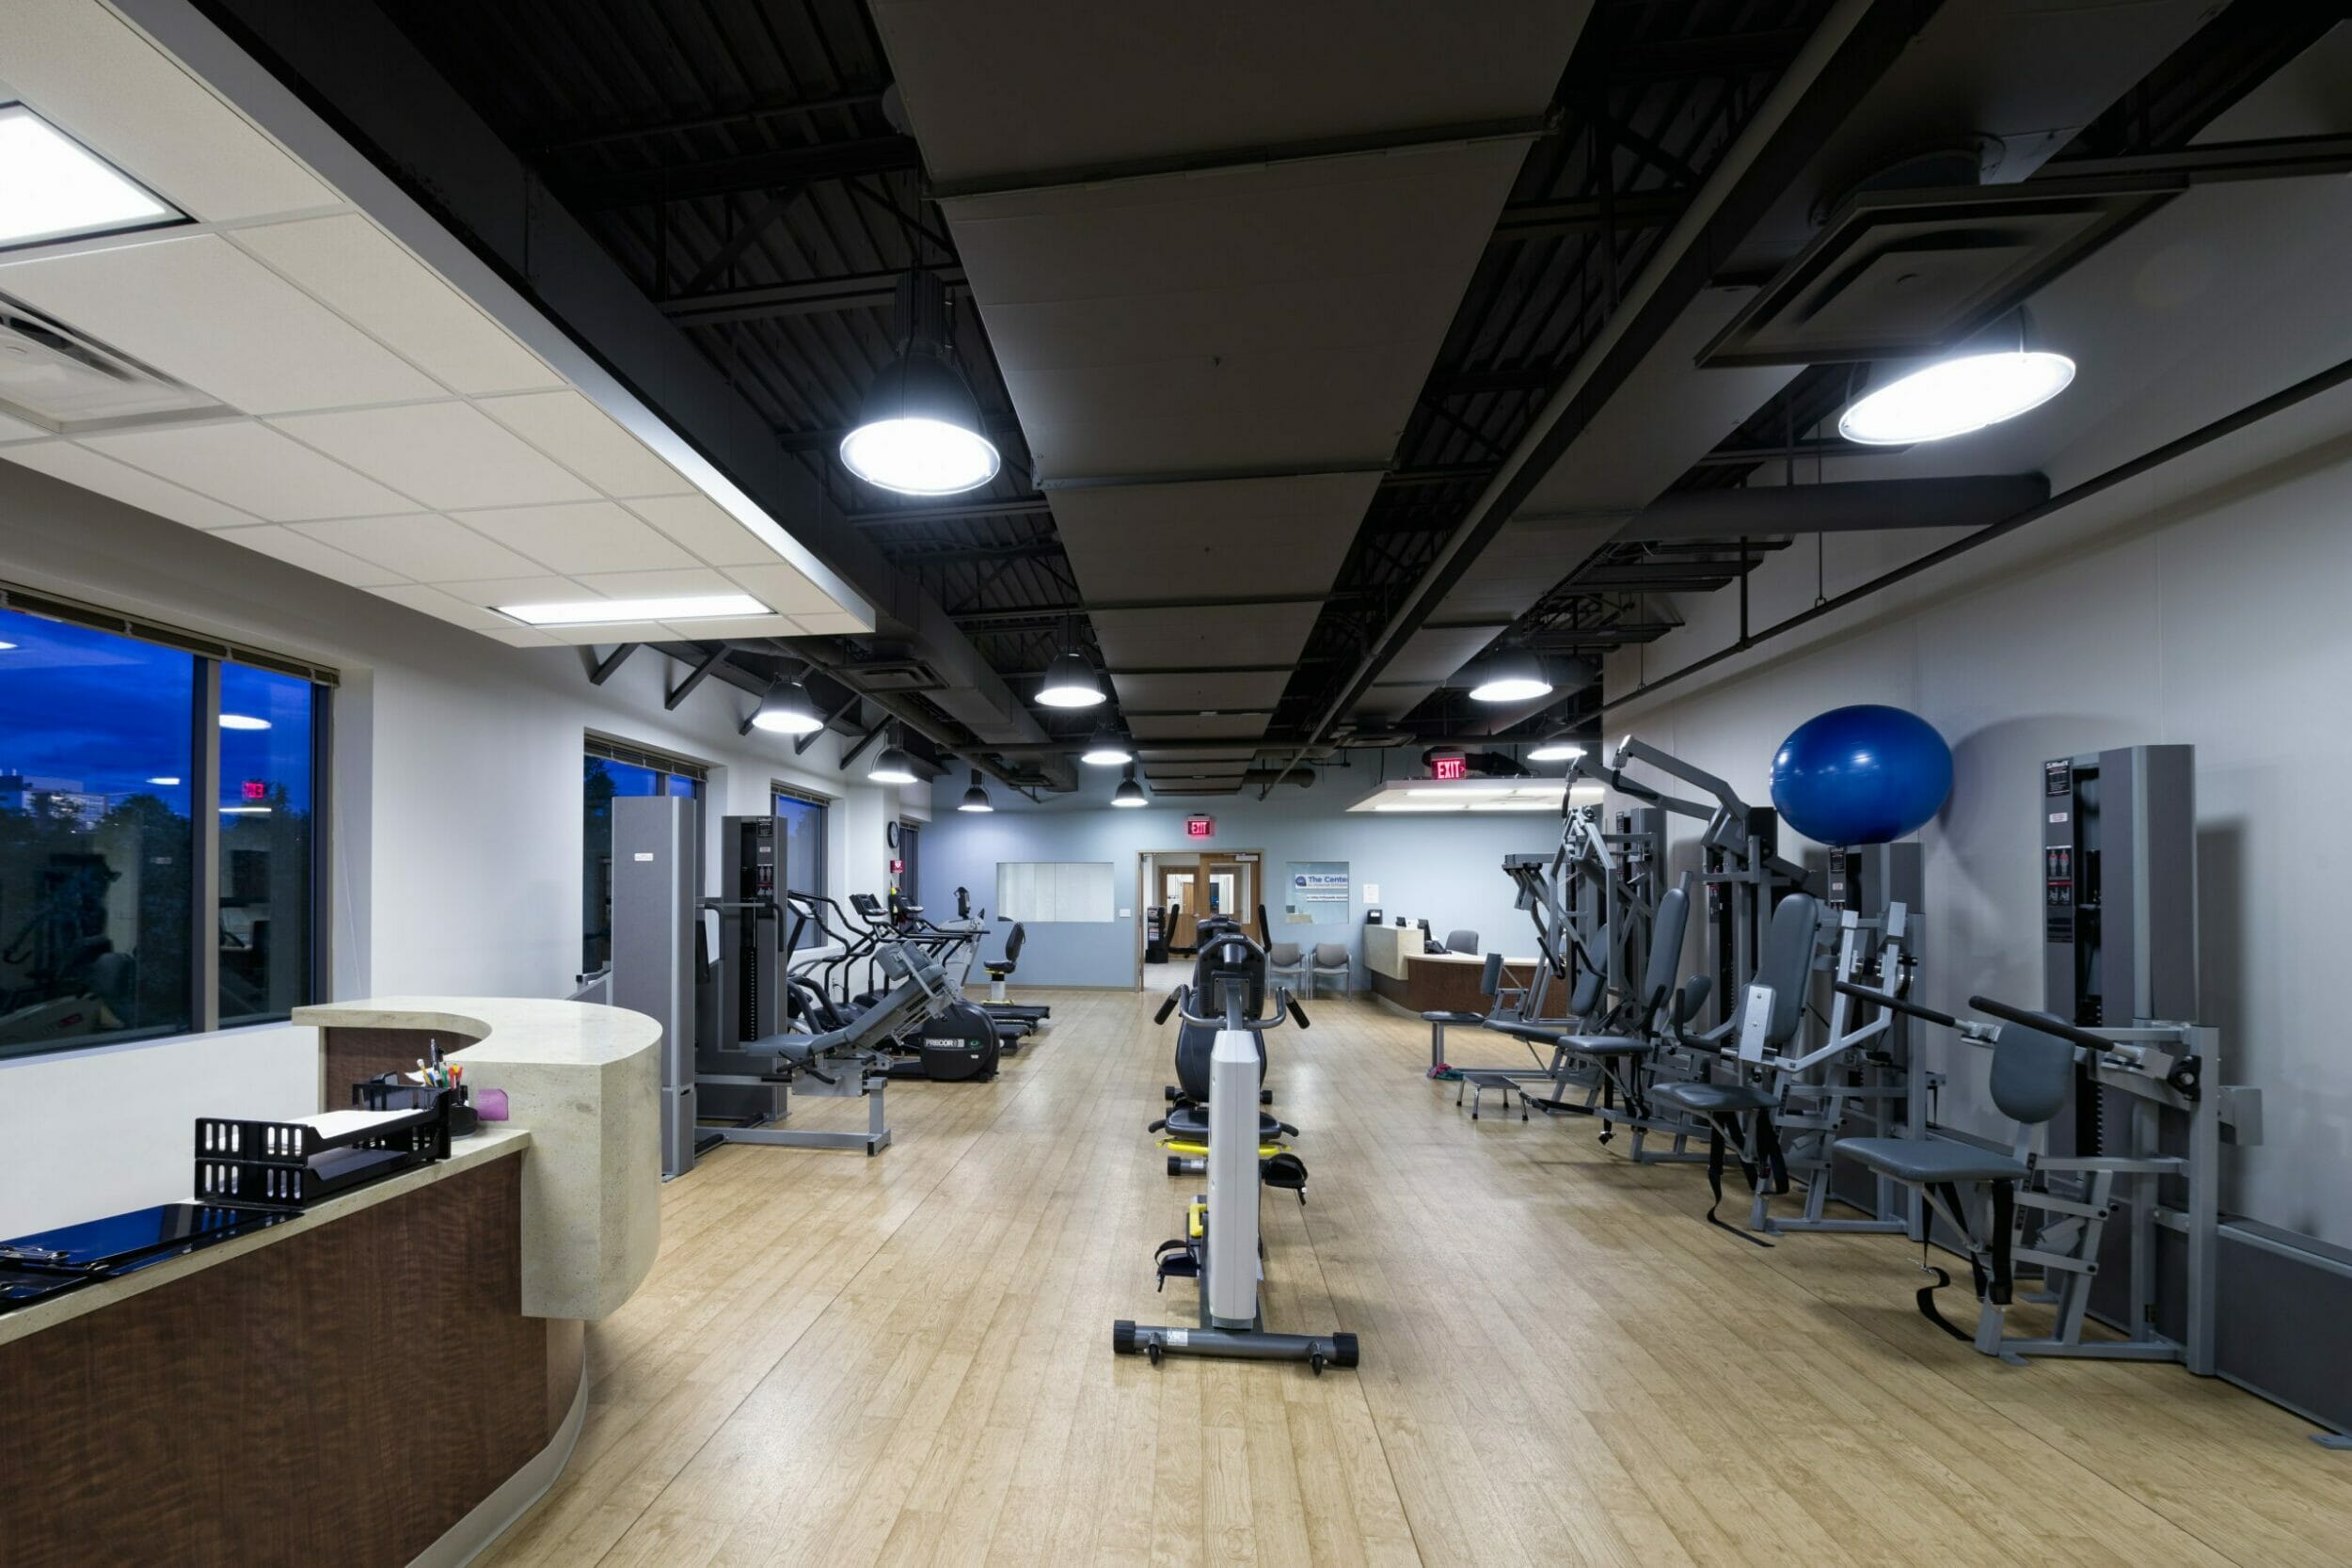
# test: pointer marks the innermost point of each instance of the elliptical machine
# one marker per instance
(1221, 1246)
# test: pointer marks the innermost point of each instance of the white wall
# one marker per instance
(456, 811)
(2205, 608)
(456, 795)
(99, 1131)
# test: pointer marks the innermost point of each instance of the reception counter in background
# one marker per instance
(1419, 982)
(390, 1377)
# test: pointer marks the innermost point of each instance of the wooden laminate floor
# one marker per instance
(907, 1359)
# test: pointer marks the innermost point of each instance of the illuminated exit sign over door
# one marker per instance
(1450, 768)
(1200, 827)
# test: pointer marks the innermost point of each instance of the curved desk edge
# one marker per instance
(586, 1081)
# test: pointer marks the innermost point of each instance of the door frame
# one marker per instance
(1146, 873)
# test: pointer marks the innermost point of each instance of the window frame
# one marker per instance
(202, 975)
(667, 767)
(777, 795)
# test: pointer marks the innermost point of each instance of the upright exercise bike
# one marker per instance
(1221, 1246)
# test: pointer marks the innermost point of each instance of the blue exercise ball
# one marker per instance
(1865, 774)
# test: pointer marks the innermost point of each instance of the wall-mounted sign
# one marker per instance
(1200, 827)
(1450, 768)
(257, 789)
(1317, 894)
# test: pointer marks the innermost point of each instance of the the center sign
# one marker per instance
(1200, 827)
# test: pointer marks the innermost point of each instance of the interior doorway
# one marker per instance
(1175, 891)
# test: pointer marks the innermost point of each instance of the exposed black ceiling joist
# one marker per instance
(808, 296)
(753, 171)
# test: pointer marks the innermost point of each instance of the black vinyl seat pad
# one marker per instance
(1931, 1160)
(1707, 1100)
(1191, 1122)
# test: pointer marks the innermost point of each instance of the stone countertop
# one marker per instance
(493, 1142)
(518, 1028)
(586, 1080)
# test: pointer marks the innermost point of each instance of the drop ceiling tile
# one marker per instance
(423, 547)
(204, 312)
(86, 68)
(604, 636)
(705, 527)
(1249, 634)
(647, 585)
(449, 455)
(1159, 541)
(119, 482)
(490, 593)
(581, 536)
(299, 549)
(445, 606)
(1258, 689)
(834, 623)
(364, 275)
(524, 636)
(581, 436)
(253, 468)
(1225, 726)
(17, 429)
(783, 589)
(746, 626)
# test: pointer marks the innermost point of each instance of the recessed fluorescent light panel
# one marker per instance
(52, 187)
(597, 612)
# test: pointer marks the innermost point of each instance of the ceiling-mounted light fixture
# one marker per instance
(50, 186)
(1960, 393)
(598, 612)
(1514, 675)
(1556, 748)
(1106, 750)
(975, 798)
(788, 710)
(1129, 792)
(1071, 681)
(919, 431)
(891, 764)
(1954, 397)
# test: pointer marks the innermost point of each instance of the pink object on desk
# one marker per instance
(491, 1105)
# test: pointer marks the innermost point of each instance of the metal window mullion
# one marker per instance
(204, 875)
(318, 918)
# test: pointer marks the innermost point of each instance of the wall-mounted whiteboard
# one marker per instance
(1055, 891)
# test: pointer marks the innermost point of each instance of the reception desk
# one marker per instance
(1420, 982)
(387, 1377)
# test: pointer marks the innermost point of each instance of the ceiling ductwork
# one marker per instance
(1852, 506)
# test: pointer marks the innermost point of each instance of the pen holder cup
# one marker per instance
(389, 1093)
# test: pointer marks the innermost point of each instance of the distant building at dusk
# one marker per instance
(33, 793)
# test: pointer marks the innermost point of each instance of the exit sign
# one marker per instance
(1200, 827)
(1451, 768)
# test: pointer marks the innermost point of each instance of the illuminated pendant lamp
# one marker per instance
(1556, 748)
(1514, 675)
(975, 798)
(1106, 750)
(892, 766)
(919, 431)
(1959, 394)
(788, 710)
(1129, 792)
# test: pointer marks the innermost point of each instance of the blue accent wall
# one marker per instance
(1446, 867)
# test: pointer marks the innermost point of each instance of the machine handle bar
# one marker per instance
(1299, 1014)
(1166, 1007)
(2049, 1024)
(1864, 993)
